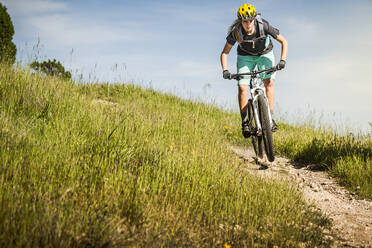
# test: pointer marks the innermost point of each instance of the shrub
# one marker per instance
(51, 68)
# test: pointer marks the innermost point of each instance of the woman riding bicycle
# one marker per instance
(254, 49)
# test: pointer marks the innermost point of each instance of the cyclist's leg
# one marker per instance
(244, 64)
(267, 61)
(243, 97)
(269, 86)
(243, 100)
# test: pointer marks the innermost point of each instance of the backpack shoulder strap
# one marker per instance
(237, 33)
(260, 25)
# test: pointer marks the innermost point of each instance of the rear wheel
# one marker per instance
(256, 140)
(266, 128)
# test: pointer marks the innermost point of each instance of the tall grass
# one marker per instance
(348, 158)
(103, 165)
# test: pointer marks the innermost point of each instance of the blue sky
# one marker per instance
(174, 46)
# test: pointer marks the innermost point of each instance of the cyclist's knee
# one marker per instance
(269, 83)
(243, 90)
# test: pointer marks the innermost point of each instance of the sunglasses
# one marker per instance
(248, 20)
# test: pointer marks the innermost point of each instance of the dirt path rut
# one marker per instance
(352, 217)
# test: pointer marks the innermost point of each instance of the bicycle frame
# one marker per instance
(256, 89)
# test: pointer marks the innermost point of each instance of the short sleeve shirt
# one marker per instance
(268, 30)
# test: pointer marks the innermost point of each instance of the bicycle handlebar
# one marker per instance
(238, 75)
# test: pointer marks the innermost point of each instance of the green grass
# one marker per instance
(150, 170)
(347, 158)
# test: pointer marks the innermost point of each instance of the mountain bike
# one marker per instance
(259, 115)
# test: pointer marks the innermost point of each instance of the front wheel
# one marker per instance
(256, 140)
(266, 128)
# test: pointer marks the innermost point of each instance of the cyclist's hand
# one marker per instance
(280, 65)
(226, 74)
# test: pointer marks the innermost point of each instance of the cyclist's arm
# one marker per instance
(224, 54)
(284, 43)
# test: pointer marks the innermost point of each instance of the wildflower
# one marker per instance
(227, 245)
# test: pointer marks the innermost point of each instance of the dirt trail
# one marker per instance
(352, 217)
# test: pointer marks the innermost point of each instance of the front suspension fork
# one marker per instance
(255, 112)
(256, 117)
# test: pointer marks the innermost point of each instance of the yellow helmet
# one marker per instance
(246, 12)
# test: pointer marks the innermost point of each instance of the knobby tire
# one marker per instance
(256, 140)
(266, 128)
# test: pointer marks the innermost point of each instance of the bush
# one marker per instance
(51, 68)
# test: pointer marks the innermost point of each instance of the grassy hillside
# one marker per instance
(116, 165)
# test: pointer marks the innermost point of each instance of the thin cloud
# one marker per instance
(34, 7)
(69, 30)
